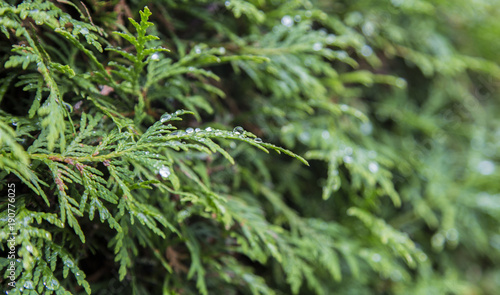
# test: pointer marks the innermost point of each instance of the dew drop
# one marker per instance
(331, 38)
(325, 134)
(373, 167)
(222, 50)
(376, 257)
(164, 171)
(227, 3)
(208, 129)
(84, 31)
(297, 18)
(317, 46)
(197, 130)
(287, 21)
(342, 55)
(348, 159)
(368, 29)
(401, 83)
(165, 118)
(452, 234)
(486, 167)
(238, 130)
(155, 56)
(437, 241)
(422, 257)
(344, 107)
(366, 50)
(29, 285)
(197, 50)
(189, 130)
(258, 139)
(308, 13)
(366, 128)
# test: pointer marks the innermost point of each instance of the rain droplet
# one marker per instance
(308, 13)
(317, 46)
(222, 50)
(368, 29)
(208, 129)
(452, 234)
(164, 171)
(348, 151)
(344, 107)
(396, 275)
(348, 159)
(366, 50)
(373, 167)
(165, 118)
(486, 167)
(422, 257)
(258, 139)
(437, 241)
(189, 130)
(297, 18)
(342, 55)
(366, 128)
(197, 50)
(331, 38)
(197, 130)
(400, 82)
(376, 257)
(69, 263)
(29, 285)
(325, 134)
(155, 56)
(287, 21)
(227, 3)
(238, 130)
(84, 31)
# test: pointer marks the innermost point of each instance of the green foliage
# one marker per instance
(123, 140)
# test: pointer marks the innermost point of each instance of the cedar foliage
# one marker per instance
(120, 126)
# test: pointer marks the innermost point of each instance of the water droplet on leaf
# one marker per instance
(317, 46)
(165, 118)
(155, 56)
(373, 167)
(366, 50)
(287, 21)
(486, 167)
(376, 257)
(164, 171)
(190, 130)
(258, 139)
(238, 130)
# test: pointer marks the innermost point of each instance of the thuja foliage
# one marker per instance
(141, 142)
